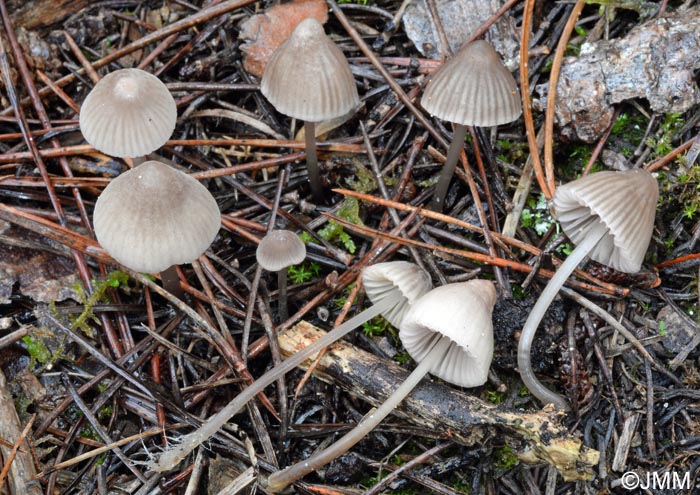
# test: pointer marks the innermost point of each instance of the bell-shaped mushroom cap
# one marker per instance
(280, 249)
(308, 77)
(154, 216)
(473, 88)
(128, 113)
(625, 202)
(462, 313)
(384, 280)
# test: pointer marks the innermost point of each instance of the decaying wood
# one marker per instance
(655, 61)
(22, 472)
(441, 407)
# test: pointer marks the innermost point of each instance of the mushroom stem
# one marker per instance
(282, 294)
(170, 458)
(312, 161)
(280, 480)
(448, 169)
(171, 281)
(535, 317)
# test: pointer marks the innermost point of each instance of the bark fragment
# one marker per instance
(438, 406)
(655, 61)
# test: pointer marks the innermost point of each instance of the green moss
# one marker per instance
(505, 458)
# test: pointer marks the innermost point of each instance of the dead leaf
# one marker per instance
(265, 32)
(41, 270)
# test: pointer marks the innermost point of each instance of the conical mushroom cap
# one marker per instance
(462, 313)
(308, 77)
(473, 88)
(128, 113)
(154, 216)
(383, 280)
(625, 202)
(280, 249)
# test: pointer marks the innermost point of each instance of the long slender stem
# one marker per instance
(280, 480)
(533, 320)
(448, 169)
(282, 294)
(312, 161)
(170, 458)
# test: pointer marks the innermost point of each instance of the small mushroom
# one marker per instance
(449, 332)
(129, 113)
(277, 251)
(473, 88)
(308, 78)
(395, 284)
(154, 217)
(610, 215)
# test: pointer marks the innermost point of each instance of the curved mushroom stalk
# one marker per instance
(449, 332)
(282, 479)
(535, 317)
(610, 216)
(403, 283)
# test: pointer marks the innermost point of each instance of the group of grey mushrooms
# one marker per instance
(155, 217)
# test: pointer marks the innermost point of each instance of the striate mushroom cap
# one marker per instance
(280, 249)
(625, 202)
(308, 77)
(460, 312)
(383, 280)
(128, 113)
(154, 216)
(473, 88)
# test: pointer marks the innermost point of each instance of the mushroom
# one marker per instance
(449, 332)
(154, 217)
(308, 78)
(473, 88)
(610, 215)
(393, 285)
(129, 113)
(277, 251)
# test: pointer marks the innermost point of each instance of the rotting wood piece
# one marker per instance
(441, 407)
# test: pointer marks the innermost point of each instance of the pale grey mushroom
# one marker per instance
(308, 78)
(473, 88)
(610, 215)
(277, 251)
(129, 113)
(154, 217)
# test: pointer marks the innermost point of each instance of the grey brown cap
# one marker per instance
(384, 280)
(154, 216)
(461, 313)
(308, 77)
(473, 88)
(280, 249)
(625, 202)
(128, 113)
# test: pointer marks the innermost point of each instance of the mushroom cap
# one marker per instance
(308, 77)
(625, 202)
(280, 249)
(128, 113)
(473, 88)
(462, 313)
(154, 216)
(384, 280)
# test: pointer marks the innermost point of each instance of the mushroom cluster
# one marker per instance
(449, 332)
(152, 217)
